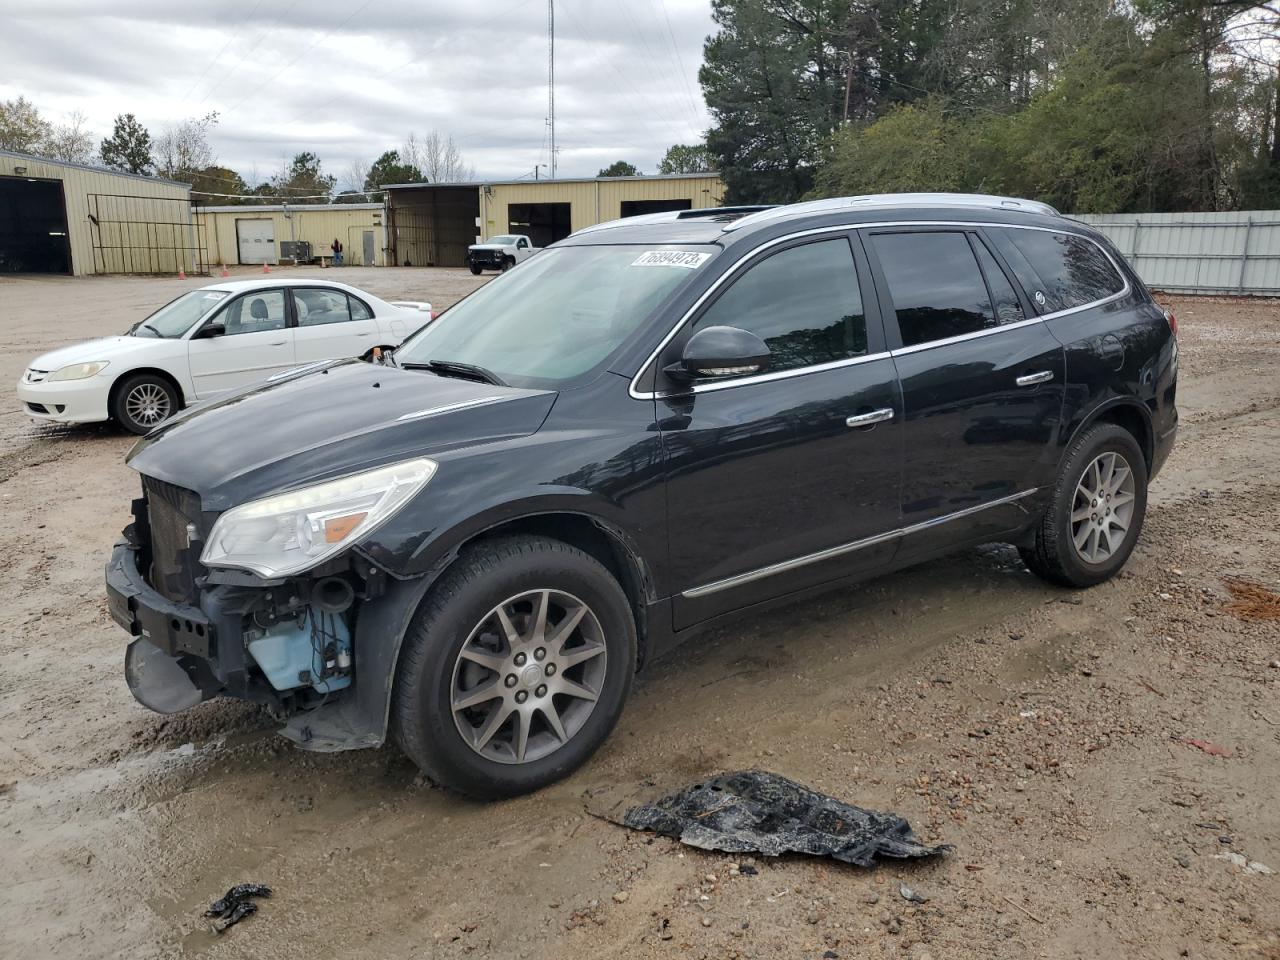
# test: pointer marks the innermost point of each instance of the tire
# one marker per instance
(1055, 555)
(143, 401)
(507, 264)
(475, 270)
(459, 612)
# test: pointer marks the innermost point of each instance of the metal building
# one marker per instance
(431, 224)
(68, 218)
(267, 233)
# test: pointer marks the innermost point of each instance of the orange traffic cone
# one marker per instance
(225, 271)
(182, 274)
(265, 268)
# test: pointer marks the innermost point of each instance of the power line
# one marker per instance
(218, 56)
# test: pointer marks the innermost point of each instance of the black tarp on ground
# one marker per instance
(756, 812)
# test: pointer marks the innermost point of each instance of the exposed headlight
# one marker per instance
(78, 371)
(292, 532)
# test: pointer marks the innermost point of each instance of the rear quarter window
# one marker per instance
(1068, 270)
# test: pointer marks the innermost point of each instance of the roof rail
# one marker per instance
(724, 214)
(897, 200)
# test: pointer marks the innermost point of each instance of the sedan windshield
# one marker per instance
(558, 316)
(178, 316)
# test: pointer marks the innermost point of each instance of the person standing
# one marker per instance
(336, 247)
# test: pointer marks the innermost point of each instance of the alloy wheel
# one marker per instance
(528, 676)
(1102, 509)
(147, 404)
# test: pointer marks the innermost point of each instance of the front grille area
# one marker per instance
(174, 565)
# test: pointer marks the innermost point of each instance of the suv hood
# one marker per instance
(490, 246)
(325, 421)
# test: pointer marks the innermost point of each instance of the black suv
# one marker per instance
(656, 424)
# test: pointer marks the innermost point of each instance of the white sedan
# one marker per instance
(210, 340)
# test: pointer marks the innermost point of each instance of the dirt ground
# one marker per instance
(1051, 736)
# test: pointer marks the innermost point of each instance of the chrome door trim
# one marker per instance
(795, 563)
(636, 393)
(869, 419)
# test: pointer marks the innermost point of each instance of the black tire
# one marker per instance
(130, 413)
(507, 264)
(1053, 555)
(475, 270)
(480, 580)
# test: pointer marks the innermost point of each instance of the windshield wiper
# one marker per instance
(455, 368)
(150, 329)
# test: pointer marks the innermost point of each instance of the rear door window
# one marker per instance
(936, 286)
(317, 306)
(1070, 270)
(804, 303)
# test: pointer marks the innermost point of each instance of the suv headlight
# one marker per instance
(78, 371)
(291, 532)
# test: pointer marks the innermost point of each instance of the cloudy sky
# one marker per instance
(350, 78)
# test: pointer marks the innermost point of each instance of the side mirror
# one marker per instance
(720, 352)
(210, 330)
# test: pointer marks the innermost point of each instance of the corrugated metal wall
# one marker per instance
(116, 222)
(319, 224)
(595, 201)
(1208, 253)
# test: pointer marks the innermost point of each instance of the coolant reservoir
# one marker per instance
(292, 653)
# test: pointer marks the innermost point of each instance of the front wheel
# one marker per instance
(1099, 502)
(507, 264)
(475, 270)
(515, 668)
(143, 401)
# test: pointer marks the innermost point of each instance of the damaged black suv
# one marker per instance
(655, 424)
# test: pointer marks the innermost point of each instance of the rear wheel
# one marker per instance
(515, 668)
(1100, 500)
(143, 401)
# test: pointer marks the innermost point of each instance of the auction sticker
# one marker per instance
(671, 258)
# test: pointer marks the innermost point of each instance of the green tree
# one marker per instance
(217, 185)
(22, 129)
(686, 158)
(303, 181)
(619, 168)
(129, 146)
(389, 168)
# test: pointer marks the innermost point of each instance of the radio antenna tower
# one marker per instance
(551, 80)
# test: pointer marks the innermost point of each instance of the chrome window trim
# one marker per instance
(636, 393)
(795, 563)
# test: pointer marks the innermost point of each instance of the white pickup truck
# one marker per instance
(500, 253)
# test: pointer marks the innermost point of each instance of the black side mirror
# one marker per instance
(720, 352)
(210, 330)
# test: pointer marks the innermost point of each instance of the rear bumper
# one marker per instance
(70, 401)
(1162, 447)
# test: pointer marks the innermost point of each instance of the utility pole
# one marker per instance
(551, 80)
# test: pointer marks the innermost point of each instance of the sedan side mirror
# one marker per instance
(720, 352)
(210, 330)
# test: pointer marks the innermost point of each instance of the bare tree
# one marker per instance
(438, 157)
(70, 141)
(184, 148)
(356, 174)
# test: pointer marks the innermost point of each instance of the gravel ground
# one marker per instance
(1105, 762)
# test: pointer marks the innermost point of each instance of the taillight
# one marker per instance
(1173, 321)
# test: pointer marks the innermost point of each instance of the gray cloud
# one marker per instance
(349, 78)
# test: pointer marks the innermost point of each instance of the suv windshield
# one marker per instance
(563, 313)
(177, 317)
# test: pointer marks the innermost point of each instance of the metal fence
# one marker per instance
(1208, 253)
(158, 235)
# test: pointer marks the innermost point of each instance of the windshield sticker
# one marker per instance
(671, 258)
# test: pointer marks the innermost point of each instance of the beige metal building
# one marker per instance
(263, 233)
(433, 224)
(68, 218)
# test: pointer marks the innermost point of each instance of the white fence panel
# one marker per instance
(1208, 253)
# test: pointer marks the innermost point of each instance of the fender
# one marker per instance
(361, 719)
(1128, 404)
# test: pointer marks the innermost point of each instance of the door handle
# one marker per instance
(1031, 379)
(277, 343)
(868, 419)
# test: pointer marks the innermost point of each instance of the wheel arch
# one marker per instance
(158, 372)
(1127, 413)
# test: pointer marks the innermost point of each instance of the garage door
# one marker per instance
(257, 239)
(33, 227)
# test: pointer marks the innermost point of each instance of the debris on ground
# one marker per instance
(757, 812)
(1252, 601)
(1212, 749)
(1244, 863)
(912, 896)
(236, 904)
